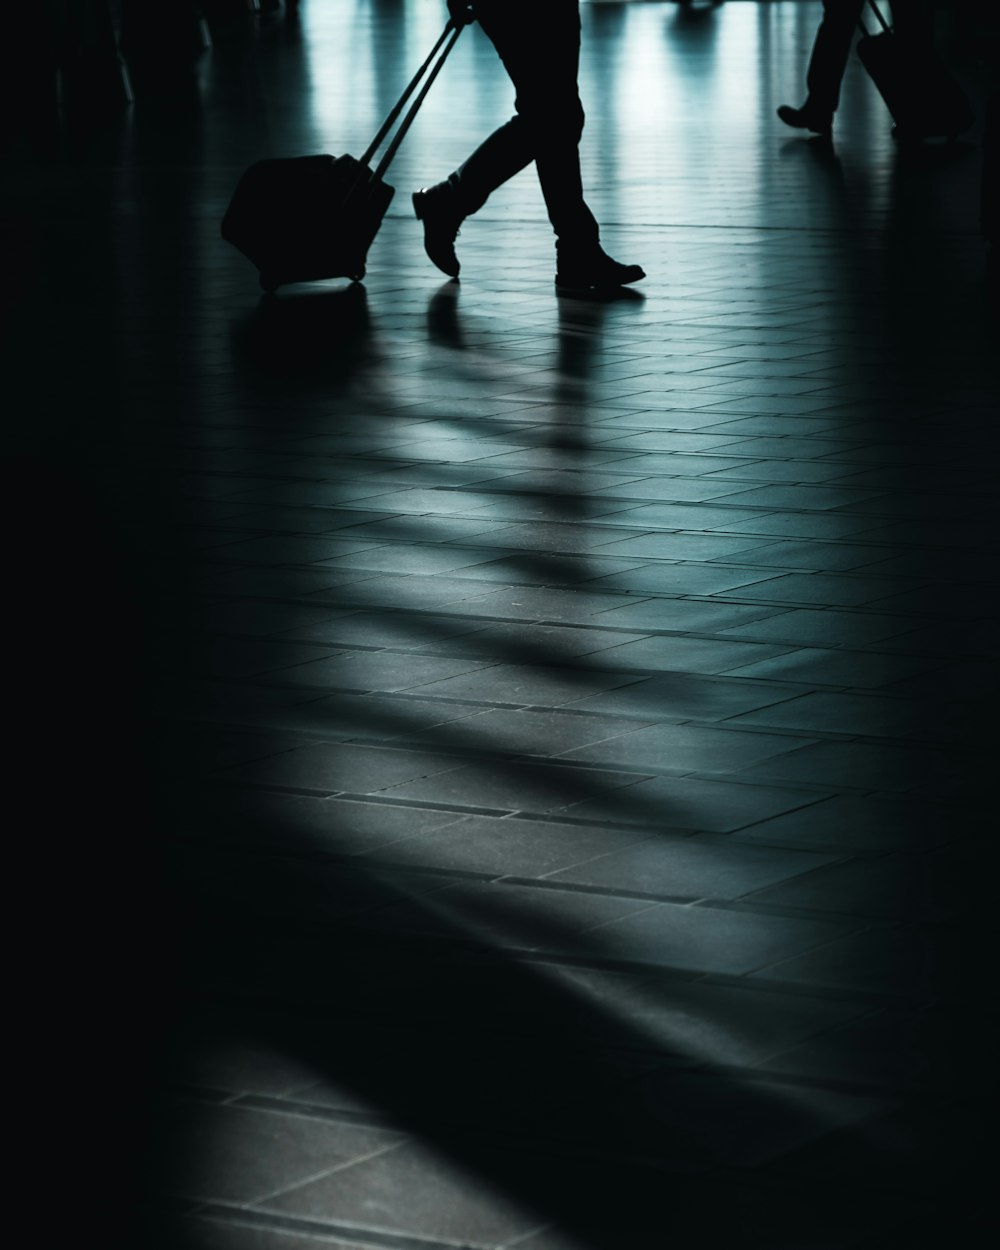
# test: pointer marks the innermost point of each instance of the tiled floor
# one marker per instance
(501, 770)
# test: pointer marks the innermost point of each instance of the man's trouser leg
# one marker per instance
(539, 45)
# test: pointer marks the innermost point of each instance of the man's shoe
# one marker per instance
(435, 207)
(593, 271)
(806, 118)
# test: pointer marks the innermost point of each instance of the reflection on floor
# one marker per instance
(512, 769)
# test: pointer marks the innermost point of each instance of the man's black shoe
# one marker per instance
(595, 271)
(806, 118)
(435, 207)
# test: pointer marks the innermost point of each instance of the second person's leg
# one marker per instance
(827, 62)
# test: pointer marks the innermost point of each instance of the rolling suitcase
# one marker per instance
(304, 218)
(918, 88)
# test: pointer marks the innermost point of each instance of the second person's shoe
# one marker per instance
(806, 118)
(435, 207)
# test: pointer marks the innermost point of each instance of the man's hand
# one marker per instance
(462, 12)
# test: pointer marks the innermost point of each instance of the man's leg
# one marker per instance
(443, 207)
(539, 45)
(509, 149)
(505, 153)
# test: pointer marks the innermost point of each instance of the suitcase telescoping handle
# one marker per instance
(450, 29)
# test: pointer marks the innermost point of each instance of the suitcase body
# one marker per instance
(919, 90)
(301, 219)
(304, 218)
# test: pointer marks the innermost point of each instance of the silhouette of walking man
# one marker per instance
(539, 44)
(832, 47)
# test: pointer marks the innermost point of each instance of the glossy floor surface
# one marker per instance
(507, 770)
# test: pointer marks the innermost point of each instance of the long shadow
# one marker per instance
(575, 1114)
(578, 344)
(449, 1022)
(447, 1019)
(509, 1073)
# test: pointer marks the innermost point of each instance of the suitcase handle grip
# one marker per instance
(397, 108)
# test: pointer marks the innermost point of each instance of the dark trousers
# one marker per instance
(832, 46)
(539, 44)
(838, 32)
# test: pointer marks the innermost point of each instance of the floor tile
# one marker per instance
(708, 939)
(691, 803)
(242, 1154)
(691, 867)
(684, 748)
(436, 1195)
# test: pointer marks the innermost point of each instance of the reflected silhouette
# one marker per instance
(325, 332)
(610, 295)
(692, 16)
(443, 324)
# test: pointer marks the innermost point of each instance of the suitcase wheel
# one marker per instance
(269, 283)
(356, 277)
